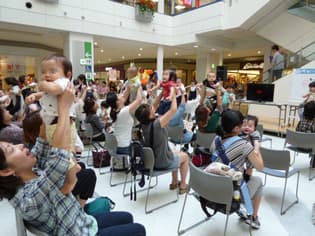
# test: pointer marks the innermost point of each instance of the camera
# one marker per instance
(28, 5)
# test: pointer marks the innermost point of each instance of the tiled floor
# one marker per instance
(296, 222)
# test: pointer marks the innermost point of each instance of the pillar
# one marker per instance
(79, 49)
(160, 6)
(204, 64)
(159, 61)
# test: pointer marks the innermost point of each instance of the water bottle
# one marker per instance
(237, 195)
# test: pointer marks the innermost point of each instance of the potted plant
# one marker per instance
(144, 10)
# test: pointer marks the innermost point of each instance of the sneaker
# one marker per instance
(242, 213)
(255, 224)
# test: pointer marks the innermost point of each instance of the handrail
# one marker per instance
(303, 48)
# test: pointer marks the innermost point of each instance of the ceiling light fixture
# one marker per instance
(109, 59)
(196, 46)
(229, 54)
(140, 49)
(95, 43)
(258, 51)
(176, 53)
(123, 57)
(102, 51)
(213, 49)
(139, 54)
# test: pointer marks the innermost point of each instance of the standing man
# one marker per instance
(277, 63)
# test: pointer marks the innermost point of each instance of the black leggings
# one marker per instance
(86, 183)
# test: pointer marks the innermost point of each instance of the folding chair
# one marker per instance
(175, 134)
(149, 160)
(219, 189)
(21, 228)
(303, 143)
(260, 129)
(111, 146)
(277, 164)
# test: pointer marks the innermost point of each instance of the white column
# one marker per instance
(203, 64)
(161, 6)
(159, 61)
(74, 49)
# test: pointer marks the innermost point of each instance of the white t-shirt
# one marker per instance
(123, 127)
(49, 103)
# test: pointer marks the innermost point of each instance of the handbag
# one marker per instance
(201, 156)
(99, 205)
(101, 158)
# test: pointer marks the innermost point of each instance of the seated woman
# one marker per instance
(90, 108)
(9, 131)
(207, 118)
(121, 117)
(240, 152)
(307, 123)
(85, 186)
(156, 137)
(35, 193)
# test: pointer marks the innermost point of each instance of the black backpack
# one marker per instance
(137, 166)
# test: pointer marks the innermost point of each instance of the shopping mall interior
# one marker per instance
(233, 38)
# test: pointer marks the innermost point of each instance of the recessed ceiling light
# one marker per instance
(176, 53)
(109, 59)
(213, 49)
(123, 57)
(95, 43)
(258, 51)
(196, 46)
(98, 61)
(139, 54)
(229, 54)
(140, 49)
(102, 51)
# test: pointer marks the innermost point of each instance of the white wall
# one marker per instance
(289, 31)
(107, 18)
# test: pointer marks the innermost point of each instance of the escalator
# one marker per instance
(304, 9)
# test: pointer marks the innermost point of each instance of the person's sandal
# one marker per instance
(174, 186)
(183, 190)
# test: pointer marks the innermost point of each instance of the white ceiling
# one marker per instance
(238, 43)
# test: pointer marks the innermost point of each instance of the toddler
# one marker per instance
(250, 133)
(168, 81)
(56, 71)
(133, 81)
(228, 96)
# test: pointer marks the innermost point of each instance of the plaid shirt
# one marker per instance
(40, 201)
(307, 126)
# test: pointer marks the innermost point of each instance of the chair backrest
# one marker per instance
(276, 159)
(148, 158)
(175, 133)
(300, 139)
(215, 188)
(204, 139)
(22, 229)
(260, 129)
(88, 131)
(110, 143)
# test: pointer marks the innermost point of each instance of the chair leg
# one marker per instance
(179, 231)
(138, 191)
(282, 212)
(265, 181)
(310, 177)
(147, 211)
(227, 219)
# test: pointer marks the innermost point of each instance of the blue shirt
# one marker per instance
(177, 119)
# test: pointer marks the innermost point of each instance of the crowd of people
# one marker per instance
(39, 151)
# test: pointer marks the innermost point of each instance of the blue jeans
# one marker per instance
(118, 223)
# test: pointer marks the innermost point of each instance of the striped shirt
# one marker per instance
(40, 202)
(237, 153)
